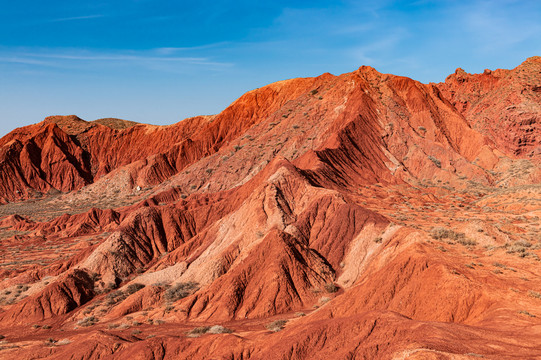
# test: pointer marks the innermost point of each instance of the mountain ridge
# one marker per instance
(363, 215)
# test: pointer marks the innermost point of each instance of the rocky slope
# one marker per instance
(357, 216)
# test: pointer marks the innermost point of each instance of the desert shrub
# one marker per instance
(519, 247)
(179, 291)
(218, 329)
(88, 321)
(50, 342)
(534, 294)
(331, 288)
(435, 161)
(378, 240)
(439, 233)
(276, 325)
(115, 297)
(324, 300)
(526, 313)
(111, 286)
(199, 330)
(467, 242)
(22, 288)
(516, 248)
(133, 288)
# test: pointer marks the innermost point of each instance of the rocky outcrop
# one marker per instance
(503, 104)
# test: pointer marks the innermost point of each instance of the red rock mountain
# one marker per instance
(360, 216)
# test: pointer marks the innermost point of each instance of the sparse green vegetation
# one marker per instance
(88, 321)
(331, 287)
(518, 247)
(179, 291)
(435, 161)
(115, 297)
(50, 342)
(198, 331)
(324, 299)
(526, 313)
(439, 233)
(467, 242)
(133, 288)
(218, 329)
(276, 325)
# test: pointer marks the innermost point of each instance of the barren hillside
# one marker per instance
(359, 216)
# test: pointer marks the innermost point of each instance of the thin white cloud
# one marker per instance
(22, 60)
(74, 18)
(377, 50)
(172, 50)
(495, 28)
(74, 58)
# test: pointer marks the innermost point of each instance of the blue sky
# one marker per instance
(161, 61)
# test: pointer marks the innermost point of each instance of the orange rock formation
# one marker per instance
(360, 216)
